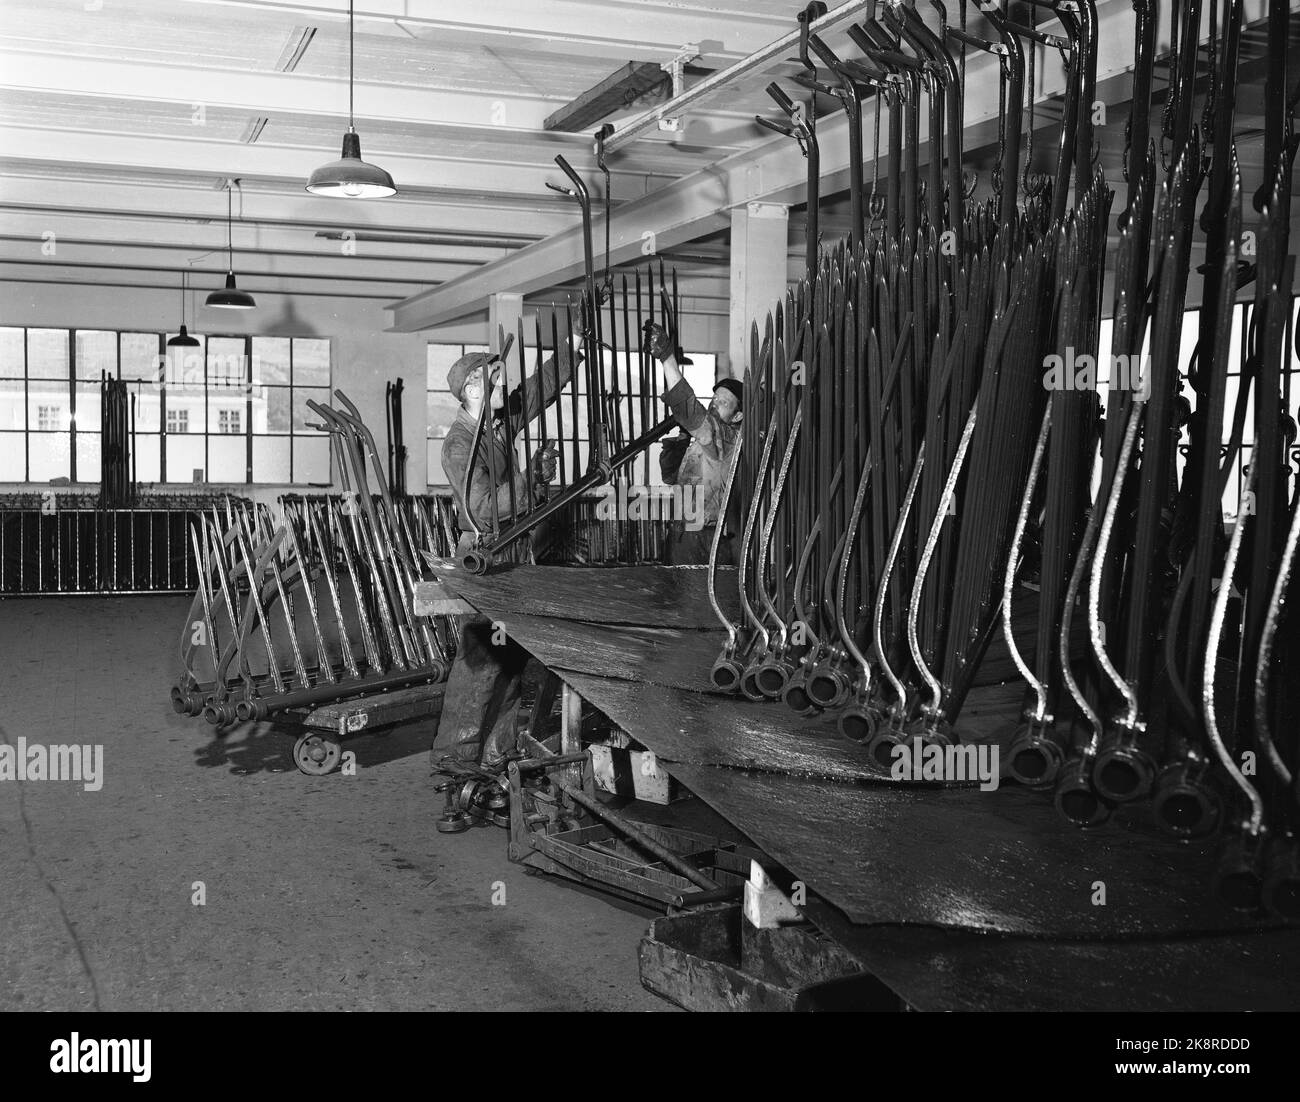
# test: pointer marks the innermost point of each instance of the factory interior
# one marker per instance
(517, 508)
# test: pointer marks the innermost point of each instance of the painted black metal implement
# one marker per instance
(954, 448)
(312, 602)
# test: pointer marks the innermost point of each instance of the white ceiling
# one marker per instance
(120, 121)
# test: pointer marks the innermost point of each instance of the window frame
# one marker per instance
(74, 382)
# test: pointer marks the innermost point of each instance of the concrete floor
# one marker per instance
(325, 893)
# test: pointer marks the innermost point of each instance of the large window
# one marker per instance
(572, 430)
(232, 410)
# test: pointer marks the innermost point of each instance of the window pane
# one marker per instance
(436, 476)
(147, 407)
(276, 405)
(184, 457)
(13, 407)
(311, 362)
(226, 366)
(226, 412)
(139, 356)
(439, 360)
(88, 457)
(13, 457)
(185, 367)
(148, 457)
(96, 352)
(271, 459)
(227, 459)
(301, 414)
(47, 353)
(48, 405)
(257, 414)
(440, 412)
(270, 360)
(187, 402)
(51, 455)
(311, 459)
(11, 353)
(701, 374)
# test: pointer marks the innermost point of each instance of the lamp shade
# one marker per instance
(231, 297)
(183, 338)
(350, 177)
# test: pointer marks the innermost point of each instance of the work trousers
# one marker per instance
(481, 701)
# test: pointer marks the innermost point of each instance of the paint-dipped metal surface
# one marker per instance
(689, 727)
(648, 596)
(958, 857)
(673, 657)
(880, 853)
(944, 970)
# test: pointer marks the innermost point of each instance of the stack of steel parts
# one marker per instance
(116, 443)
(922, 461)
(312, 603)
(604, 402)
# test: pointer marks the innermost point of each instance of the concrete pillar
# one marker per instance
(505, 309)
(759, 246)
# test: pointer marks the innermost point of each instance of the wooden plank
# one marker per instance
(999, 861)
(347, 717)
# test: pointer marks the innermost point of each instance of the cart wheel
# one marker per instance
(317, 754)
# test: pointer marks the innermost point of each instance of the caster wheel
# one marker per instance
(455, 822)
(494, 798)
(316, 754)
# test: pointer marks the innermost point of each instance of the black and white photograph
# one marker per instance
(644, 506)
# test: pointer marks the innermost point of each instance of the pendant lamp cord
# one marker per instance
(351, 67)
(230, 214)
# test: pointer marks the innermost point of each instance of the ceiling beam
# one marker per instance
(621, 30)
(286, 207)
(196, 238)
(125, 277)
(197, 157)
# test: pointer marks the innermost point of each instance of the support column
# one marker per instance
(505, 309)
(760, 234)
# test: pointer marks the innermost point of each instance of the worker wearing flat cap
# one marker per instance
(477, 724)
(701, 459)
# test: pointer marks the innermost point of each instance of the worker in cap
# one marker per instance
(477, 724)
(698, 462)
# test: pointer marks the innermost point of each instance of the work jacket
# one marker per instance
(497, 453)
(708, 455)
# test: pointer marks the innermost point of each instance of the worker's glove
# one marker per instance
(657, 341)
(544, 465)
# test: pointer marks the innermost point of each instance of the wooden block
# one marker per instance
(635, 773)
(435, 599)
(767, 906)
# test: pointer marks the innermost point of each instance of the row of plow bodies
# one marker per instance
(312, 600)
(921, 468)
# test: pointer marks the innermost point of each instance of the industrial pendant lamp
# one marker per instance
(183, 338)
(230, 297)
(350, 177)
